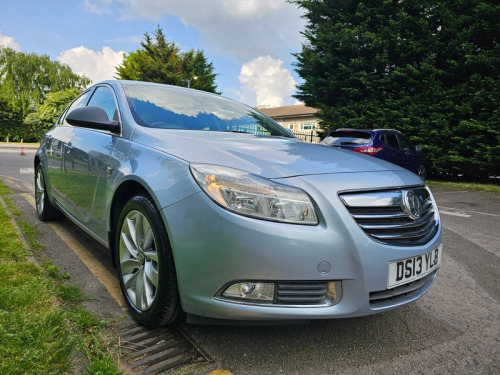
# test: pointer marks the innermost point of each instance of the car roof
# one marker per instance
(370, 130)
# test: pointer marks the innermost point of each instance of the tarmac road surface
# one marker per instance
(453, 329)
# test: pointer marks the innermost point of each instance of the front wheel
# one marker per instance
(145, 264)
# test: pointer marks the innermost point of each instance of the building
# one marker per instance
(299, 119)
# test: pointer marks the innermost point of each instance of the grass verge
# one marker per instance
(43, 327)
(464, 186)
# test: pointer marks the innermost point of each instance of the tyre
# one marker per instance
(145, 264)
(44, 209)
(422, 172)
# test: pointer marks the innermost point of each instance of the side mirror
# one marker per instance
(418, 148)
(92, 117)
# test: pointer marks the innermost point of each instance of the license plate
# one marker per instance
(411, 269)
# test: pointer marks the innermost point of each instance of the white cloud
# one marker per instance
(134, 39)
(251, 9)
(265, 82)
(97, 66)
(8, 41)
(98, 7)
(241, 28)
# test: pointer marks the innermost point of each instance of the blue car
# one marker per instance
(386, 144)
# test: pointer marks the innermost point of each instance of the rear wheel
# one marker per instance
(145, 264)
(44, 209)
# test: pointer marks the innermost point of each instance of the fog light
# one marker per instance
(334, 292)
(251, 291)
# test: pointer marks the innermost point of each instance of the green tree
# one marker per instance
(45, 115)
(429, 68)
(10, 122)
(163, 62)
(26, 79)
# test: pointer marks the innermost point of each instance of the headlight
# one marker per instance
(251, 195)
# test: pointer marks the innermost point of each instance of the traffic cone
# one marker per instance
(22, 151)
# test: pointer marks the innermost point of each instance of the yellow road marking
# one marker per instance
(105, 277)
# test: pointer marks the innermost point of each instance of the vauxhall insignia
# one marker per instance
(411, 204)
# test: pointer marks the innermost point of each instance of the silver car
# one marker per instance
(212, 209)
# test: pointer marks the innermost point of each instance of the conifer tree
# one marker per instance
(428, 68)
(163, 62)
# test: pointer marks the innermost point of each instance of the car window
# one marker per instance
(347, 137)
(103, 97)
(391, 140)
(166, 108)
(404, 143)
(77, 103)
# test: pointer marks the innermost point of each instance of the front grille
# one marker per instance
(401, 293)
(387, 217)
(302, 293)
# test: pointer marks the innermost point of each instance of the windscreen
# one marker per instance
(167, 107)
(347, 137)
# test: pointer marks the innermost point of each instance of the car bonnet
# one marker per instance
(270, 157)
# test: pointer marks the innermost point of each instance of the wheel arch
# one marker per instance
(126, 190)
(36, 161)
(123, 193)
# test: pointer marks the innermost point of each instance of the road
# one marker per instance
(453, 329)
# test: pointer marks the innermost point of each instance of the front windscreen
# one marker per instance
(167, 107)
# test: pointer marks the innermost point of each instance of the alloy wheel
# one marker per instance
(40, 191)
(138, 260)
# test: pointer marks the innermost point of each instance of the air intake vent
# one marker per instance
(395, 217)
(401, 294)
(302, 293)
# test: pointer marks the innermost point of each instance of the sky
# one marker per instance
(249, 42)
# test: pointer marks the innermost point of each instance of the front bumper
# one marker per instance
(213, 248)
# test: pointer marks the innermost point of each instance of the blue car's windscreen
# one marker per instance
(166, 107)
(348, 138)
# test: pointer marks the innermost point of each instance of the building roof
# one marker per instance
(289, 111)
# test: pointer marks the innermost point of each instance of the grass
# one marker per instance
(43, 327)
(464, 186)
(15, 144)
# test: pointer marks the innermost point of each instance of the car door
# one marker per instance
(55, 152)
(86, 157)
(409, 159)
(391, 149)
